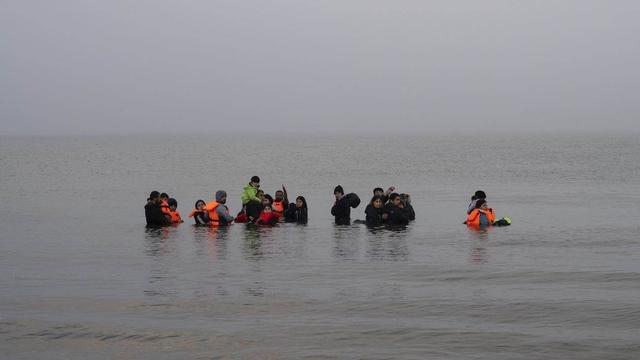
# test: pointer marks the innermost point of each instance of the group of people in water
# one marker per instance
(257, 207)
(386, 208)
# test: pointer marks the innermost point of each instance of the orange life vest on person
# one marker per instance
(175, 217)
(473, 219)
(211, 208)
(165, 207)
(278, 206)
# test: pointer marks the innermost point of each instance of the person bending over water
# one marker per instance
(297, 212)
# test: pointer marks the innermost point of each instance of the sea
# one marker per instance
(81, 277)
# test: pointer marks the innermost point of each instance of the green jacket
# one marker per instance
(249, 194)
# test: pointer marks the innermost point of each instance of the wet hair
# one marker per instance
(378, 189)
(164, 195)
(393, 196)
(480, 202)
(304, 201)
(376, 197)
(338, 189)
(154, 195)
(260, 191)
(479, 195)
(173, 202)
(268, 197)
(255, 179)
(198, 202)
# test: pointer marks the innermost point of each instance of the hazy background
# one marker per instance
(85, 67)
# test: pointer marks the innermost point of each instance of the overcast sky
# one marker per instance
(110, 66)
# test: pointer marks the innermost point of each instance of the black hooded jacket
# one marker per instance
(341, 210)
(154, 215)
(374, 216)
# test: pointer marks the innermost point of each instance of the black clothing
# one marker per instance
(411, 214)
(294, 214)
(374, 216)
(342, 211)
(253, 210)
(201, 217)
(397, 216)
(154, 215)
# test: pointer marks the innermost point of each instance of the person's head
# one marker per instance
(279, 195)
(395, 200)
(479, 195)
(173, 204)
(164, 196)
(267, 209)
(301, 202)
(154, 196)
(221, 196)
(200, 204)
(267, 200)
(376, 201)
(338, 192)
(255, 181)
(378, 191)
(481, 204)
(260, 194)
(405, 198)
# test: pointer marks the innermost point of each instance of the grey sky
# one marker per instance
(115, 66)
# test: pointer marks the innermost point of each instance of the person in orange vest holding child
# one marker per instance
(217, 212)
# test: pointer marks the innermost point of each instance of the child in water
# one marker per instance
(198, 214)
(268, 217)
(173, 211)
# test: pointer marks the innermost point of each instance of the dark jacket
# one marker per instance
(397, 216)
(342, 211)
(155, 216)
(374, 216)
(411, 214)
(297, 215)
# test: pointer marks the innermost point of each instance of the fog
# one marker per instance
(102, 67)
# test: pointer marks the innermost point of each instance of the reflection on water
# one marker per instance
(479, 238)
(346, 241)
(388, 243)
(211, 240)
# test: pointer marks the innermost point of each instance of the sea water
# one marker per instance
(82, 278)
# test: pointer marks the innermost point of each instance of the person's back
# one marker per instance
(153, 211)
(481, 216)
(341, 209)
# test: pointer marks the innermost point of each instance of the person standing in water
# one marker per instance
(153, 211)
(250, 200)
(341, 209)
(297, 212)
(217, 211)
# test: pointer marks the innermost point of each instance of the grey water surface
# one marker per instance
(82, 278)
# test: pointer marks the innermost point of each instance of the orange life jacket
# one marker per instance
(473, 219)
(165, 207)
(211, 208)
(175, 217)
(278, 206)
